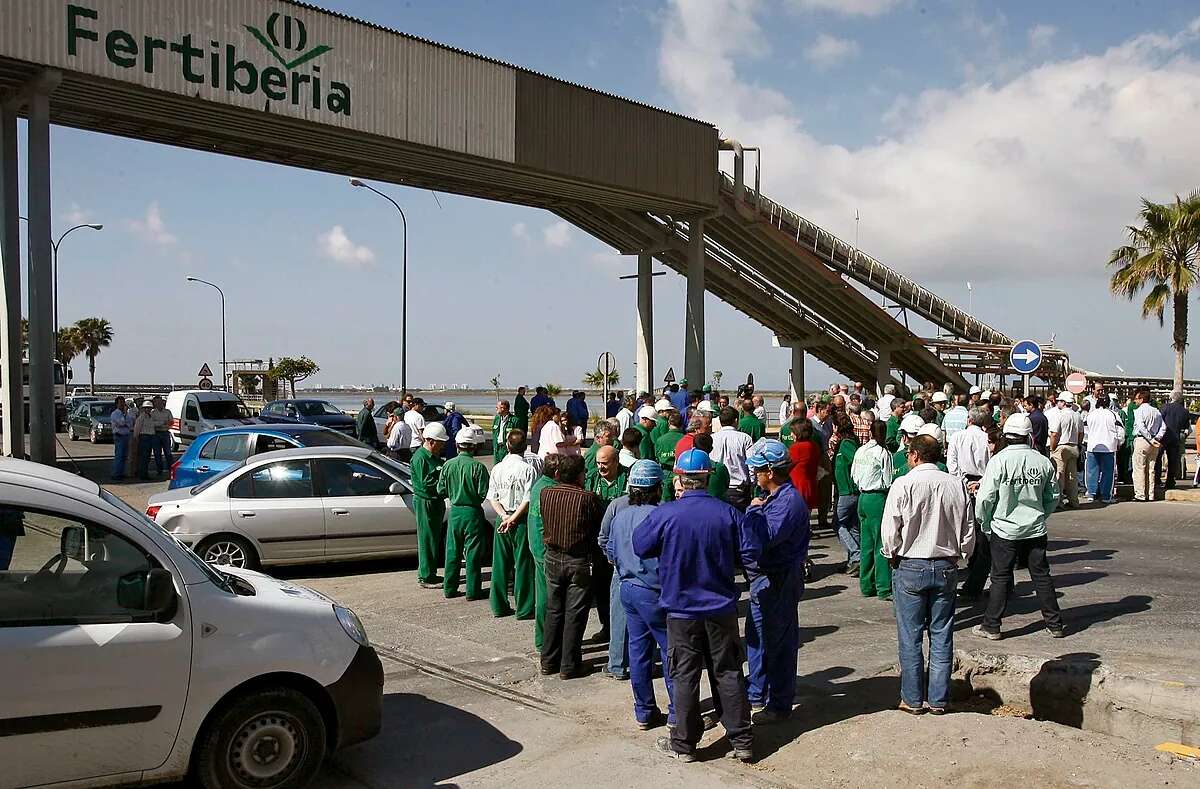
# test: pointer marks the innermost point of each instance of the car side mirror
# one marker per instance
(396, 489)
(73, 543)
(153, 590)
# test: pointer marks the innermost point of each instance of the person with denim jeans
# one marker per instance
(618, 637)
(926, 532)
(846, 513)
(122, 420)
(1104, 434)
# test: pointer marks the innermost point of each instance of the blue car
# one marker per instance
(214, 451)
(311, 412)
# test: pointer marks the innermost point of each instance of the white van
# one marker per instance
(196, 411)
(127, 659)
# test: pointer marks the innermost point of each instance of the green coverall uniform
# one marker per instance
(538, 549)
(646, 448)
(752, 426)
(464, 482)
(430, 511)
(718, 480)
(892, 442)
(499, 442)
(664, 453)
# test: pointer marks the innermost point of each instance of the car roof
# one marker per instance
(35, 475)
(264, 427)
(304, 453)
(204, 394)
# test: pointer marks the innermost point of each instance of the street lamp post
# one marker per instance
(224, 368)
(54, 244)
(403, 286)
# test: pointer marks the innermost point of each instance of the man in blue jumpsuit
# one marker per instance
(775, 535)
(697, 540)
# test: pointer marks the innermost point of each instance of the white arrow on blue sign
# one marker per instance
(1025, 357)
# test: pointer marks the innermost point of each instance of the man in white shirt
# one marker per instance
(624, 417)
(785, 408)
(730, 447)
(1104, 432)
(161, 418)
(967, 456)
(512, 562)
(399, 440)
(1149, 429)
(883, 406)
(122, 420)
(1066, 434)
(416, 422)
(926, 531)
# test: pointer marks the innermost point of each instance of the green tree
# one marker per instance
(70, 344)
(495, 382)
(1162, 255)
(595, 378)
(95, 334)
(294, 369)
(553, 389)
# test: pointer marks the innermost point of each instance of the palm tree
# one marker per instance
(69, 344)
(1162, 254)
(94, 334)
(553, 389)
(595, 379)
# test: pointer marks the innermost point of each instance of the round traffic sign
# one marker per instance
(205, 383)
(1025, 356)
(1076, 383)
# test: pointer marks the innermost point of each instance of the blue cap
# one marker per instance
(767, 453)
(693, 461)
(645, 474)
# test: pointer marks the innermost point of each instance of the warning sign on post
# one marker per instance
(205, 372)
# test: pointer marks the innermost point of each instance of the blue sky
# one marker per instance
(1004, 144)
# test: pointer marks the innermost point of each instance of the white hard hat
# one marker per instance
(1067, 397)
(931, 430)
(465, 435)
(1017, 425)
(975, 390)
(911, 424)
(707, 407)
(939, 397)
(646, 412)
(449, 405)
(986, 394)
(435, 431)
(664, 405)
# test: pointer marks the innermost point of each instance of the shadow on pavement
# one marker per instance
(811, 593)
(1095, 555)
(1082, 617)
(423, 743)
(1060, 689)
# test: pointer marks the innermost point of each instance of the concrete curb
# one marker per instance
(1176, 494)
(1079, 691)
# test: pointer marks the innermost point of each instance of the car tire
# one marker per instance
(71, 433)
(228, 549)
(270, 739)
(94, 437)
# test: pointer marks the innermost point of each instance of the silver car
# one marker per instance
(314, 504)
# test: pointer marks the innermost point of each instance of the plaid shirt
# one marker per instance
(862, 428)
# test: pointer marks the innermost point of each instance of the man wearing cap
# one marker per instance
(464, 481)
(1016, 495)
(884, 404)
(750, 423)
(939, 402)
(364, 424)
(647, 421)
(872, 471)
(775, 536)
(509, 489)
(415, 417)
(1149, 430)
(974, 396)
(663, 408)
(537, 547)
(926, 530)
(697, 541)
(956, 418)
(502, 422)
(639, 592)
(429, 506)
(730, 446)
(907, 429)
(1066, 433)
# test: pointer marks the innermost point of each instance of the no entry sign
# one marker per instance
(1076, 383)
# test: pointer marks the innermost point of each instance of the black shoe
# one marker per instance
(600, 637)
(655, 720)
(743, 755)
(663, 746)
(546, 672)
(710, 720)
(1057, 632)
(429, 584)
(619, 676)
(935, 710)
(579, 673)
(770, 717)
(852, 568)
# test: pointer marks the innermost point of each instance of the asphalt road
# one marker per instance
(465, 705)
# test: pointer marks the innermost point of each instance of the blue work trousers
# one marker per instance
(618, 639)
(646, 621)
(1099, 472)
(120, 455)
(924, 591)
(846, 516)
(163, 457)
(773, 639)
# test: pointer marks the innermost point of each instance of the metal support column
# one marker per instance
(797, 373)
(883, 370)
(12, 397)
(645, 324)
(41, 287)
(693, 329)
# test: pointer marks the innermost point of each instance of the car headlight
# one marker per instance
(351, 624)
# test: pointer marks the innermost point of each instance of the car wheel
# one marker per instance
(269, 739)
(228, 549)
(93, 436)
(71, 433)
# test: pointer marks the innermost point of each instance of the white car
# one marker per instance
(196, 411)
(127, 659)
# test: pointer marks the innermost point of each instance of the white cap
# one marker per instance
(986, 394)
(931, 430)
(465, 435)
(975, 390)
(707, 407)
(939, 397)
(1017, 425)
(911, 424)
(646, 412)
(449, 405)
(435, 431)
(1066, 397)
(664, 405)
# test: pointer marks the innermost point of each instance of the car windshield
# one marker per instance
(223, 409)
(326, 438)
(100, 409)
(187, 552)
(317, 408)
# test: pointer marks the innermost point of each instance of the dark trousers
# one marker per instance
(979, 566)
(1005, 555)
(163, 457)
(602, 573)
(690, 642)
(1173, 458)
(145, 446)
(739, 496)
(568, 589)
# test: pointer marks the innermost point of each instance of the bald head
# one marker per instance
(606, 463)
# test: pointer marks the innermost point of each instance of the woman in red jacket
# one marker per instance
(806, 456)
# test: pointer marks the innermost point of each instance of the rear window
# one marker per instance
(223, 409)
(317, 408)
(326, 438)
(100, 409)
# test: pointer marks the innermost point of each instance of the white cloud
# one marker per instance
(846, 7)
(557, 235)
(337, 246)
(827, 50)
(519, 230)
(1035, 173)
(1042, 36)
(76, 215)
(152, 228)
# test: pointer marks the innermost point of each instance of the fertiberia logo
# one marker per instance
(221, 65)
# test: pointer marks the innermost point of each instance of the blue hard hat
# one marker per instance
(693, 461)
(767, 453)
(645, 474)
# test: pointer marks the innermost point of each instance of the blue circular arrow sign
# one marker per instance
(1025, 357)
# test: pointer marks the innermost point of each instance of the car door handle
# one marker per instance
(202, 469)
(339, 511)
(246, 513)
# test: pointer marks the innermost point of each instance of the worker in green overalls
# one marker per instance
(508, 494)
(464, 482)
(605, 436)
(521, 411)
(787, 431)
(663, 409)
(718, 478)
(647, 421)
(502, 422)
(750, 424)
(538, 548)
(872, 471)
(899, 408)
(664, 453)
(429, 505)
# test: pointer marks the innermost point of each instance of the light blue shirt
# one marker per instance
(1148, 423)
(122, 423)
(954, 420)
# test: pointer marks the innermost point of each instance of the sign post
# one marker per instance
(606, 364)
(1025, 357)
(1076, 383)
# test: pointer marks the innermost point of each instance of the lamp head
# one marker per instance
(96, 227)
(356, 182)
(190, 278)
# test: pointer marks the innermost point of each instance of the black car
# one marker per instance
(312, 412)
(91, 420)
